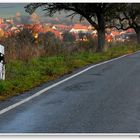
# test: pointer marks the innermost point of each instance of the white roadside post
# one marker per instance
(2, 63)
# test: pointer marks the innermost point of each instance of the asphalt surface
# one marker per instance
(105, 99)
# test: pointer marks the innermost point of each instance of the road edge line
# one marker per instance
(58, 83)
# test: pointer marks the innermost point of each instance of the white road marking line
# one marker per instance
(56, 84)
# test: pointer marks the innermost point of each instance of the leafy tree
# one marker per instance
(81, 35)
(94, 13)
(47, 39)
(68, 37)
(50, 35)
(24, 36)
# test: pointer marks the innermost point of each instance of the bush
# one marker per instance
(68, 37)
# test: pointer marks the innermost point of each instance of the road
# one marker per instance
(104, 99)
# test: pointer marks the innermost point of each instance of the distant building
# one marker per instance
(10, 21)
(54, 28)
(122, 36)
(77, 28)
(108, 37)
(61, 27)
(1, 21)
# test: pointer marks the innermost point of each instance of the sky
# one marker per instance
(10, 9)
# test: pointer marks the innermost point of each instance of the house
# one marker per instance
(1, 21)
(108, 37)
(116, 36)
(61, 27)
(94, 34)
(129, 35)
(77, 28)
(54, 28)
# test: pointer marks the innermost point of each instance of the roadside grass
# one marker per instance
(22, 76)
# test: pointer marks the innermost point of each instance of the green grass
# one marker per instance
(22, 76)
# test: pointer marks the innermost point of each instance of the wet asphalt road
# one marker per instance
(105, 99)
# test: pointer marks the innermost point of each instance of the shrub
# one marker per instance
(68, 37)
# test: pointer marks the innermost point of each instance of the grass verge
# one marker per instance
(22, 76)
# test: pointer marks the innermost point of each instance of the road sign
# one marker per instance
(2, 63)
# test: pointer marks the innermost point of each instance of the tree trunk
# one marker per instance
(101, 32)
(138, 36)
(101, 39)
